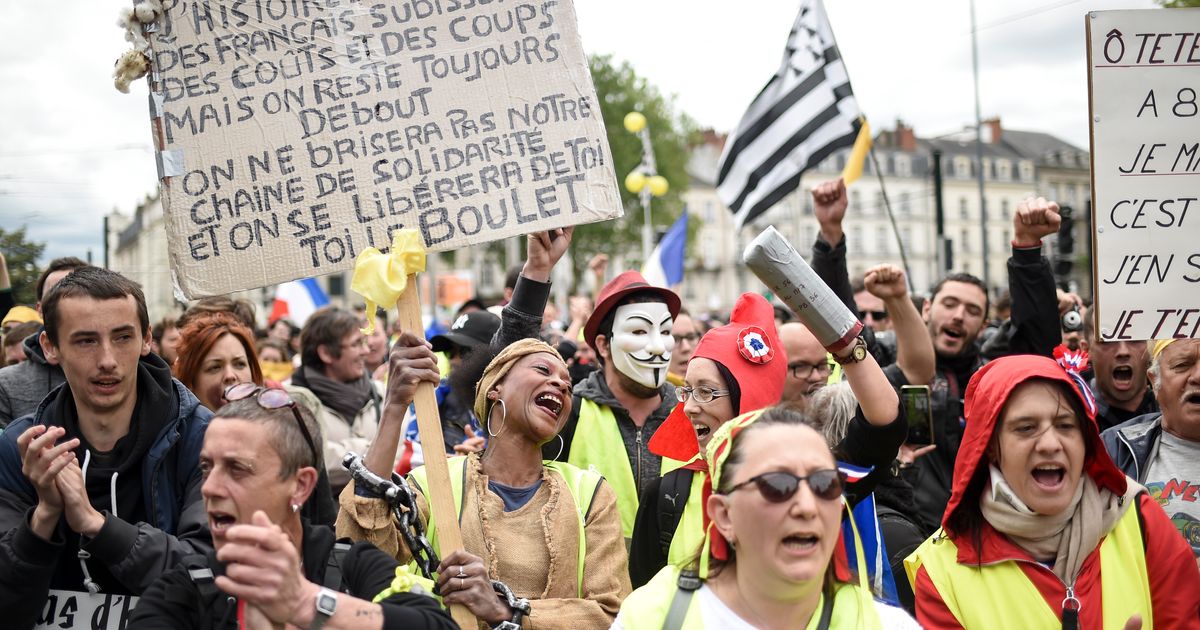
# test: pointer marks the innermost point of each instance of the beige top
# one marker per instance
(531, 549)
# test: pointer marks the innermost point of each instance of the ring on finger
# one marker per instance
(462, 584)
(461, 573)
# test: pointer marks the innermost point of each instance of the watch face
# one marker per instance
(326, 602)
(859, 353)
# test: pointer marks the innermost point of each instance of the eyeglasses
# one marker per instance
(699, 394)
(271, 398)
(800, 369)
(690, 337)
(876, 315)
(779, 486)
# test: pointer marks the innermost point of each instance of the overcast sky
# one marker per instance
(72, 148)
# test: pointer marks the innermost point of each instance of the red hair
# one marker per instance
(203, 332)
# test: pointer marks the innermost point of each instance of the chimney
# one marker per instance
(905, 138)
(991, 127)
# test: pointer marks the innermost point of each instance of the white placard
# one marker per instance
(295, 133)
(1144, 73)
(75, 610)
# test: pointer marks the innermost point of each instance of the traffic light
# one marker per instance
(1065, 249)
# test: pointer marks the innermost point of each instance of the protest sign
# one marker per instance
(1142, 70)
(292, 134)
(75, 609)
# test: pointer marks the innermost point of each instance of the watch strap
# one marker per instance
(326, 605)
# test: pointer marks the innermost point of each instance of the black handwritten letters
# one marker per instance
(311, 129)
(1143, 67)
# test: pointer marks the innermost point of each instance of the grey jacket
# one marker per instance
(1132, 445)
(24, 385)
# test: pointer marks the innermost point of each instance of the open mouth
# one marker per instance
(1191, 398)
(552, 403)
(1049, 476)
(106, 384)
(218, 522)
(954, 333)
(702, 430)
(1122, 375)
(801, 542)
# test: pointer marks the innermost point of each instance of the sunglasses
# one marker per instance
(271, 398)
(876, 315)
(779, 486)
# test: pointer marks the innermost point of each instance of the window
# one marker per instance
(905, 204)
(808, 203)
(882, 242)
(1005, 240)
(903, 165)
(854, 245)
(964, 241)
(810, 234)
(906, 238)
(855, 201)
(337, 284)
(1003, 170)
(987, 169)
(1026, 168)
(963, 212)
(879, 207)
(962, 166)
(1005, 211)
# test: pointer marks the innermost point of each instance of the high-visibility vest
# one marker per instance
(1001, 596)
(598, 446)
(647, 608)
(581, 484)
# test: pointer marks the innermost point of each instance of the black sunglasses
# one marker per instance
(876, 315)
(779, 486)
(271, 398)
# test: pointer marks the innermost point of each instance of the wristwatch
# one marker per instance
(858, 352)
(326, 605)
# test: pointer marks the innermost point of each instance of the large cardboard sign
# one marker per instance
(295, 133)
(1144, 75)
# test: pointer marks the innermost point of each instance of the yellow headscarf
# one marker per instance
(500, 366)
(1158, 345)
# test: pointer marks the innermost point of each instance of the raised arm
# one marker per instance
(522, 317)
(829, 251)
(914, 349)
(1034, 327)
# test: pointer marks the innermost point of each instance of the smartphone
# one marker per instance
(917, 412)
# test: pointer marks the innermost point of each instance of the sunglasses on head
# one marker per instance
(779, 486)
(271, 398)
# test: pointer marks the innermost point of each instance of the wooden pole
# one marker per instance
(441, 502)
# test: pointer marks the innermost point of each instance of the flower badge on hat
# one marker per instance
(753, 346)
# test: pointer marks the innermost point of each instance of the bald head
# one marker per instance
(808, 364)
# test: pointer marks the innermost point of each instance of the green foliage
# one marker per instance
(620, 90)
(23, 269)
(1179, 4)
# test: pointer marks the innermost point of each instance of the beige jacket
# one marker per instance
(338, 436)
(531, 549)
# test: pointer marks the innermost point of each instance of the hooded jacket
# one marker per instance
(1132, 444)
(24, 385)
(166, 512)
(1173, 576)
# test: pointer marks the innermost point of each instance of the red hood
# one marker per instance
(986, 394)
(749, 348)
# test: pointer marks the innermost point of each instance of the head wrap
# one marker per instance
(500, 366)
(1158, 345)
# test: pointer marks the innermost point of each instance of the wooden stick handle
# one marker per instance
(429, 424)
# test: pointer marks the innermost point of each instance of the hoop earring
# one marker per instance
(561, 443)
(503, 418)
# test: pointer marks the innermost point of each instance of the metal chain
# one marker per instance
(400, 499)
(519, 605)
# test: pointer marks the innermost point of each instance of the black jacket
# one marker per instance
(177, 601)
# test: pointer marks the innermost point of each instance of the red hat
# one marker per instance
(749, 347)
(615, 291)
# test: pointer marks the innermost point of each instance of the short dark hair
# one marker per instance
(284, 434)
(606, 324)
(325, 327)
(98, 284)
(163, 325)
(18, 333)
(965, 278)
(67, 263)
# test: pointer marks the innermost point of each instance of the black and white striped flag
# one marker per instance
(806, 112)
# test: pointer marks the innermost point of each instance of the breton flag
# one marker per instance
(806, 112)
(296, 300)
(665, 266)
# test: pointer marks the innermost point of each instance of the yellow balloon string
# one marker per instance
(381, 278)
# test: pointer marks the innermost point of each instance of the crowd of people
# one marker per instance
(632, 463)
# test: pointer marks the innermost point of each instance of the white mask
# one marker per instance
(641, 342)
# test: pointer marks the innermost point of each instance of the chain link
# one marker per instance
(400, 499)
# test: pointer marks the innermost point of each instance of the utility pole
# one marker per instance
(983, 227)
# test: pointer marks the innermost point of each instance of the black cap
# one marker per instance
(469, 330)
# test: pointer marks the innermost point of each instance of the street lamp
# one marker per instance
(644, 181)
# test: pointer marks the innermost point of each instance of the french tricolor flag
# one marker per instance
(665, 266)
(854, 473)
(296, 300)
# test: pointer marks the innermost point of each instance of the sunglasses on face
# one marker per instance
(876, 315)
(779, 486)
(270, 398)
(800, 369)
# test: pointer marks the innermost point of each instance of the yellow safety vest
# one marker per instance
(581, 484)
(1001, 596)
(647, 607)
(598, 446)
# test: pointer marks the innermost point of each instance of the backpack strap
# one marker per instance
(688, 583)
(673, 495)
(201, 574)
(333, 567)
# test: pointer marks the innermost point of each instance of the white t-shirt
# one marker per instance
(1173, 480)
(717, 615)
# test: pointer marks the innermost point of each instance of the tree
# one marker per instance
(23, 269)
(620, 90)
(1178, 4)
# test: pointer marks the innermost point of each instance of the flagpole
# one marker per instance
(887, 207)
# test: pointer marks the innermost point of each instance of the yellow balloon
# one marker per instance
(658, 185)
(635, 182)
(634, 122)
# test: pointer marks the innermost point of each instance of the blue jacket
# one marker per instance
(1132, 444)
(134, 554)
